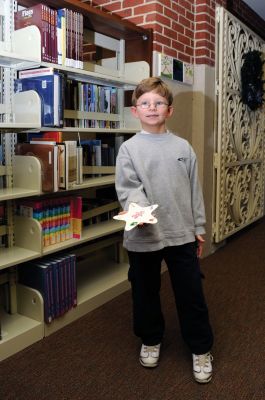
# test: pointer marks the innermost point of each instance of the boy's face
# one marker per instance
(152, 110)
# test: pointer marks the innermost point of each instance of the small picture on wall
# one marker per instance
(166, 65)
(177, 70)
(188, 73)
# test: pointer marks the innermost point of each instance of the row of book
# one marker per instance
(61, 33)
(90, 97)
(58, 93)
(55, 279)
(60, 218)
(101, 152)
(61, 160)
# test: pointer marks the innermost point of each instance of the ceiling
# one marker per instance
(258, 6)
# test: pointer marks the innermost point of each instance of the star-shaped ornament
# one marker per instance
(136, 215)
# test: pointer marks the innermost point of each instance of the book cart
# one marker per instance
(102, 271)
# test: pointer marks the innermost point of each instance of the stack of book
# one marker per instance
(61, 160)
(61, 33)
(60, 219)
(55, 279)
(90, 97)
(48, 83)
(101, 152)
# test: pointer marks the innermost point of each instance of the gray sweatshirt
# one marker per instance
(160, 169)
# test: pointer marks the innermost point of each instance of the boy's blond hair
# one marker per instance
(152, 84)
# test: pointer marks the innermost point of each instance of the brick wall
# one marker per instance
(183, 29)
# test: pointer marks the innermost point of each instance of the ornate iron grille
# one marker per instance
(239, 133)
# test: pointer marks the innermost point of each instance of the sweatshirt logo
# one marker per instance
(181, 159)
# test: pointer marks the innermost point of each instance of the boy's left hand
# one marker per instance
(200, 242)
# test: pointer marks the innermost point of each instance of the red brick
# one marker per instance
(187, 5)
(170, 52)
(171, 14)
(189, 33)
(147, 8)
(178, 9)
(113, 6)
(166, 3)
(125, 13)
(189, 50)
(203, 26)
(151, 17)
(177, 27)
(201, 9)
(170, 33)
(202, 52)
(184, 21)
(164, 20)
(156, 27)
(189, 16)
(177, 45)
(162, 39)
(202, 18)
(183, 57)
(202, 35)
(158, 47)
(131, 3)
(183, 39)
(137, 20)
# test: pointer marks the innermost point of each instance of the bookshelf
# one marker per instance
(102, 265)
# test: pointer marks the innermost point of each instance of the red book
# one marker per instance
(37, 15)
(48, 156)
(76, 216)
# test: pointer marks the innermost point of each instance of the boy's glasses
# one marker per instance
(157, 104)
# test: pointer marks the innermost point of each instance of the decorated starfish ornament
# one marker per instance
(136, 215)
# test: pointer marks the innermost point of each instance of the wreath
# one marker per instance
(251, 80)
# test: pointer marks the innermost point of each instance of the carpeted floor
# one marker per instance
(96, 357)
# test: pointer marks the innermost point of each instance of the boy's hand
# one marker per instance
(140, 225)
(200, 242)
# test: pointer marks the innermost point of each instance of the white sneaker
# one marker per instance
(149, 355)
(202, 367)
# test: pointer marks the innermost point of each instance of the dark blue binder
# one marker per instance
(49, 89)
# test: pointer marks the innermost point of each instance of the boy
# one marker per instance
(157, 167)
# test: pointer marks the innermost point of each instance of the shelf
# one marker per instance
(24, 53)
(26, 179)
(25, 327)
(16, 255)
(89, 233)
(16, 193)
(87, 130)
(98, 181)
(95, 286)
(27, 249)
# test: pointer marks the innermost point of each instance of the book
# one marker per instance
(48, 156)
(71, 163)
(76, 216)
(61, 161)
(36, 15)
(37, 276)
(79, 166)
(49, 90)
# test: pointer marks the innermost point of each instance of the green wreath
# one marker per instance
(252, 91)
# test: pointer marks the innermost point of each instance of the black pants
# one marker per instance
(184, 270)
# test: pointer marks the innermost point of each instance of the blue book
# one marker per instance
(91, 152)
(48, 88)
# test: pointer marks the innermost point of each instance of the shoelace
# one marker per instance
(150, 349)
(203, 360)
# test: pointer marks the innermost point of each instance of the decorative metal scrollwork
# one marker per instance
(240, 136)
